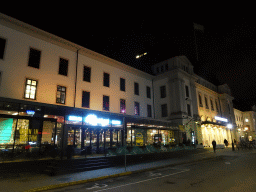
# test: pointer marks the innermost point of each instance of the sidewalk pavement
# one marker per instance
(41, 182)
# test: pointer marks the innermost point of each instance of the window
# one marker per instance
(187, 91)
(87, 74)
(122, 84)
(162, 68)
(217, 108)
(163, 91)
(206, 102)
(122, 106)
(136, 108)
(157, 69)
(61, 94)
(63, 67)
(212, 108)
(188, 109)
(148, 92)
(136, 88)
(30, 89)
(166, 67)
(164, 110)
(34, 58)
(106, 79)
(86, 99)
(200, 100)
(105, 103)
(2, 47)
(149, 111)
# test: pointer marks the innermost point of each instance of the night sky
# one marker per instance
(226, 47)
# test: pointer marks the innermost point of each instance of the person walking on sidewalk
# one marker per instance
(214, 145)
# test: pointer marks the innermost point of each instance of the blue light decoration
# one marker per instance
(30, 112)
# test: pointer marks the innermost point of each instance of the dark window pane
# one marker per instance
(122, 84)
(164, 110)
(149, 110)
(2, 47)
(105, 103)
(87, 74)
(34, 58)
(187, 91)
(163, 91)
(106, 80)
(63, 67)
(136, 88)
(86, 99)
(148, 93)
(189, 110)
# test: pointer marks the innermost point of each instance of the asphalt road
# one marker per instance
(228, 173)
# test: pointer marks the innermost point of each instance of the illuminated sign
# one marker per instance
(221, 119)
(95, 121)
(30, 112)
(74, 118)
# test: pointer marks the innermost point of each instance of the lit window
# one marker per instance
(30, 89)
(246, 120)
(122, 106)
(136, 108)
(61, 94)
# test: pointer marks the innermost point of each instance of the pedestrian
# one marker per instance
(214, 145)
(226, 142)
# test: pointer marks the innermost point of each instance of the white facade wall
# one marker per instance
(14, 71)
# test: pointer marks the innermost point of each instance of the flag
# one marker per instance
(198, 27)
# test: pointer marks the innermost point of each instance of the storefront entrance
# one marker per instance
(93, 140)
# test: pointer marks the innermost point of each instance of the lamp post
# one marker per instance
(230, 126)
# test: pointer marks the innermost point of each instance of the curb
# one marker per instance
(61, 185)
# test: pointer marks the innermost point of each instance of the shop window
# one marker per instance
(2, 47)
(122, 106)
(7, 129)
(61, 94)
(163, 91)
(122, 84)
(148, 92)
(149, 111)
(21, 135)
(136, 108)
(87, 74)
(48, 132)
(105, 103)
(86, 99)
(34, 58)
(136, 88)
(30, 89)
(164, 110)
(106, 80)
(63, 67)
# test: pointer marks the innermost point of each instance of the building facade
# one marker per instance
(56, 93)
(245, 122)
